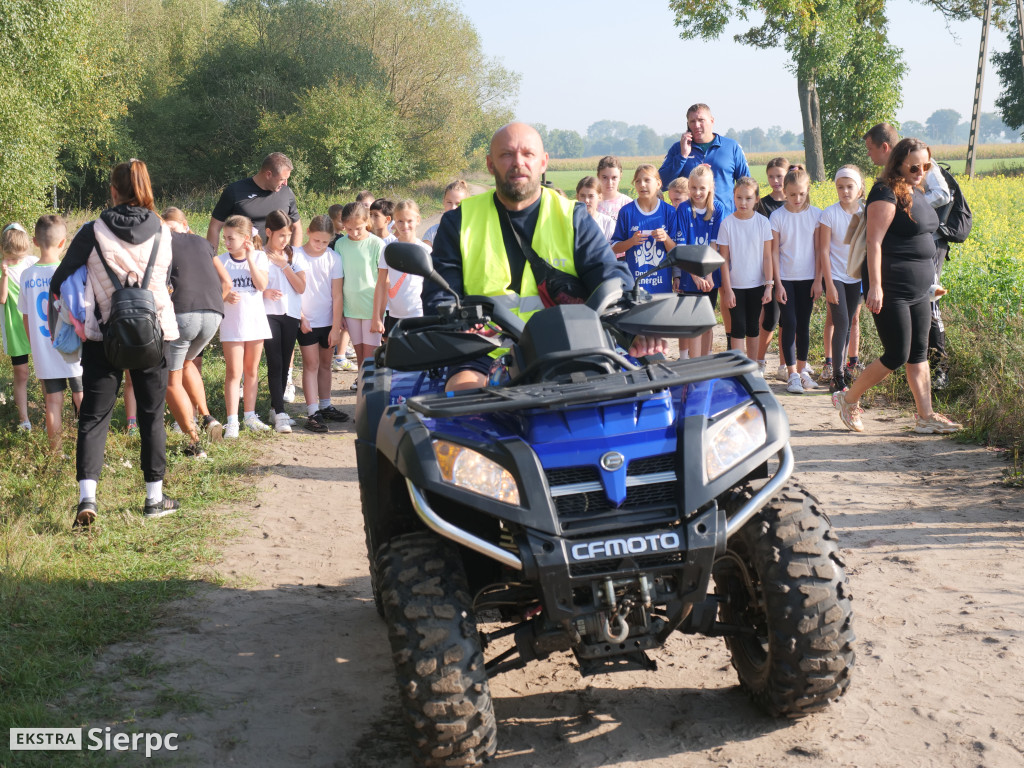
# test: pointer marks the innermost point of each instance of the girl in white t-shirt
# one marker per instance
(244, 327)
(800, 282)
(745, 242)
(398, 293)
(609, 173)
(588, 192)
(282, 300)
(842, 292)
(321, 324)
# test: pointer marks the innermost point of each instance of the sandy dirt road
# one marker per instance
(287, 663)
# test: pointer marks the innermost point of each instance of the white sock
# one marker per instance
(324, 402)
(250, 415)
(684, 354)
(311, 409)
(232, 418)
(155, 490)
(289, 375)
(86, 489)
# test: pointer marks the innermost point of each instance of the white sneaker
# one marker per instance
(274, 415)
(807, 380)
(795, 386)
(809, 369)
(253, 423)
(760, 368)
(350, 353)
(281, 423)
(176, 428)
(241, 388)
(783, 373)
(231, 430)
(289, 393)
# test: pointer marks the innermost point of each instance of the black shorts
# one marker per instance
(389, 323)
(316, 336)
(19, 360)
(52, 386)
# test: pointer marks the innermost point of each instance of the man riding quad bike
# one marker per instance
(586, 502)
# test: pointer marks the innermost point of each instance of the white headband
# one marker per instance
(15, 225)
(848, 173)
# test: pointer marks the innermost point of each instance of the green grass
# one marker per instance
(66, 595)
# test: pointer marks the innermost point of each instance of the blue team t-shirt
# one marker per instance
(695, 230)
(650, 252)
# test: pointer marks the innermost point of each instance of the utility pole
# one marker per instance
(978, 83)
(1020, 30)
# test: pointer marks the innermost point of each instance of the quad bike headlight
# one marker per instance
(732, 438)
(465, 468)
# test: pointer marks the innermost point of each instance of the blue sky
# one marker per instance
(586, 60)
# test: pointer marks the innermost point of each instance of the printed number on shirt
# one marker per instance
(44, 328)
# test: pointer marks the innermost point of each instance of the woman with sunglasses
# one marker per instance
(900, 271)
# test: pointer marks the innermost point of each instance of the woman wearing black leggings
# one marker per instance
(900, 248)
(281, 299)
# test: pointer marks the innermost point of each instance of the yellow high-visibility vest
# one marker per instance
(485, 267)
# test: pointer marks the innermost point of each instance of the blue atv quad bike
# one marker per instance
(585, 503)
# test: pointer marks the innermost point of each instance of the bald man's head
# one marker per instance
(517, 161)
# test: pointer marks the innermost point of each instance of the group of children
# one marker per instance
(334, 289)
(781, 253)
(24, 288)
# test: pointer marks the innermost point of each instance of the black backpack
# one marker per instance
(132, 336)
(955, 218)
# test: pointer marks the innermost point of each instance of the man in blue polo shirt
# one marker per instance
(700, 144)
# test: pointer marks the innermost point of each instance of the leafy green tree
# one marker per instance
(1011, 75)
(915, 129)
(564, 143)
(860, 90)
(340, 137)
(942, 125)
(648, 142)
(64, 80)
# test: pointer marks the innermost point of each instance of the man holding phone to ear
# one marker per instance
(700, 144)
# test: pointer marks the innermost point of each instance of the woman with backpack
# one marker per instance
(127, 244)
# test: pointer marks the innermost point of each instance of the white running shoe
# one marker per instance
(281, 423)
(253, 423)
(809, 369)
(350, 353)
(795, 386)
(289, 393)
(231, 430)
(783, 373)
(274, 415)
(807, 381)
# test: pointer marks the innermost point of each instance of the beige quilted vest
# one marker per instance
(124, 258)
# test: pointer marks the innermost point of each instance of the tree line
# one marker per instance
(616, 137)
(357, 92)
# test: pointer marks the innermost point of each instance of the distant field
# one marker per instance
(565, 174)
